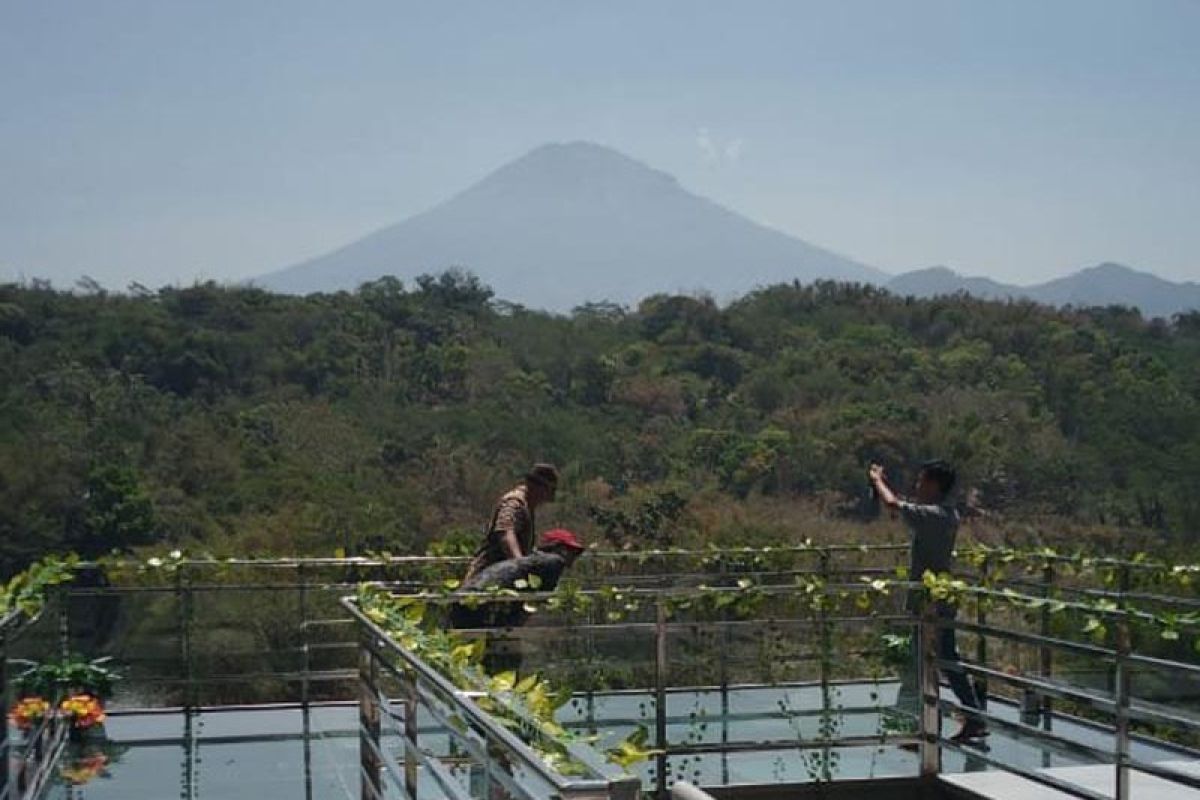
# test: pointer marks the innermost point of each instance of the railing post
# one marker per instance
(305, 650)
(1046, 654)
(368, 722)
(931, 717)
(981, 648)
(5, 756)
(305, 710)
(1121, 688)
(183, 599)
(183, 596)
(825, 639)
(724, 676)
(660, 696)
(1122, 710)
(188, 777)
(411, 709)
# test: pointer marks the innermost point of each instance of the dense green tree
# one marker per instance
(234, 419)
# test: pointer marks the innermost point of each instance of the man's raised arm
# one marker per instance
(886, 495)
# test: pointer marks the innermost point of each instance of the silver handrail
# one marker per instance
(604, 781)
(1121, 706)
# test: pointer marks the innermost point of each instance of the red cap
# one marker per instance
(563, 537)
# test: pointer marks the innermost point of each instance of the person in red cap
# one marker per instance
(539, 571)
(509, 532)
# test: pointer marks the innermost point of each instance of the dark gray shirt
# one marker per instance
(548, 567)
(932, 530)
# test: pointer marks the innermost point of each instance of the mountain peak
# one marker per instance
(573, 222)
(1110, 269)
(568, 167)
(936, 271)
(579, 148)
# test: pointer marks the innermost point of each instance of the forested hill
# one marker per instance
(238, 420)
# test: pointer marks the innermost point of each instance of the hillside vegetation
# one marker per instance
(236, 420)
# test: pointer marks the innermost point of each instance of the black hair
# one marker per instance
(543, 474)
(942, 473)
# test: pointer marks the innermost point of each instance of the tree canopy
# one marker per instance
(388, 416)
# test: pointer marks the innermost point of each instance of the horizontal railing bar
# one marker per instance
(208, 588)
(1103, 561)
(421, 588)
(538, 632)
(1138, 710)
(789, 744)
(202, 741)
(1031, 731)
(672, 577)
(601, 557)
(1037, 601)
(712, 688)
(685, 593)
(598, 555)
(1095, 651)
(1094, 701)
(224, 709)
(326, 623)
(169, 566)
(1037, 777)
(1162, 663)
(1143, 711)
(1164, 599)
(327, 646)
(744, 716)
(289, 677)
(1166, 773)
(777, 578)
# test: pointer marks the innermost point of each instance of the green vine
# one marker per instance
(26, 591)
(528, 705)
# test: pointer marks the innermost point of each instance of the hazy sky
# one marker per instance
(161, 141)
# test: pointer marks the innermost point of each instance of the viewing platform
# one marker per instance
(749, 673)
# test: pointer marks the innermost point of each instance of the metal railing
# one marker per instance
(661, 628)
(1120, 706)
(1123, 709)
(321, 661)
(498, 754)
(183, 598)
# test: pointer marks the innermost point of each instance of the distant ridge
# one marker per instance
(1102, 285)
(571, 223)
(943, 280)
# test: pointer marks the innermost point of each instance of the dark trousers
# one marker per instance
(956, 676)
(502, 654)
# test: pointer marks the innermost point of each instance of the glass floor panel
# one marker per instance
(276, 754)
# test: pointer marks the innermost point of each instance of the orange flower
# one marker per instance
(28, 711)
(83, 709)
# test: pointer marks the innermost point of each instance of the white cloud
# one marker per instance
(714, 152)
